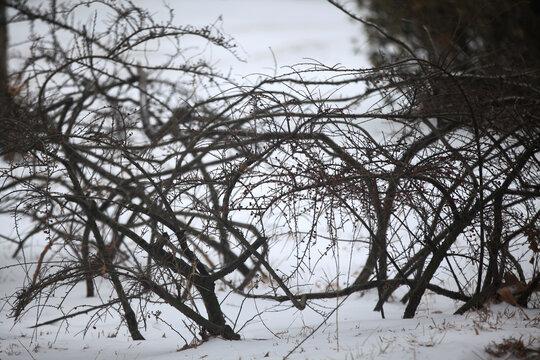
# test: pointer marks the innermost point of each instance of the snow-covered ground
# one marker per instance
(268, 331)
(272, 35)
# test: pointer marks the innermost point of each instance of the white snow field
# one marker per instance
(268, 331)
(272, 34)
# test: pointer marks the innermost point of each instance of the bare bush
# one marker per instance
(167, 187)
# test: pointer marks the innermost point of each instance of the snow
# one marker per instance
(272, 35)
(354, 331)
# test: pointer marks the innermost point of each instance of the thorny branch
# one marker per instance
(101, 156)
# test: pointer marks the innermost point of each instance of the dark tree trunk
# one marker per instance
(4, 92)
(3, 53)
(86, 263)
(129, 314)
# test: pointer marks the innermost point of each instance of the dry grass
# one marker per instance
(514, 347)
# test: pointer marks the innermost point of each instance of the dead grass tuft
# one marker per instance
(514, 347)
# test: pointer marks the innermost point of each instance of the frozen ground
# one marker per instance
(272, 34)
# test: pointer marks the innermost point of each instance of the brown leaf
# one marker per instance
(533, 245)
(164, 335)
(510, 279)
(505, 294)
(17, 87)
(533, 236)
(267, 354)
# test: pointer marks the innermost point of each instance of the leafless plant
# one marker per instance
(166, 188)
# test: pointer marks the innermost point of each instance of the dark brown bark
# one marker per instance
(457, 228)
(89, 279)
(5, 98)
(129, 314)
(533, 286)
(91, 210)
(3, 55)
(203, 282)
(438, 256)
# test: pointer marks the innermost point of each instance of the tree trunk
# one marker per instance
(3, 50)
(4, 93)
